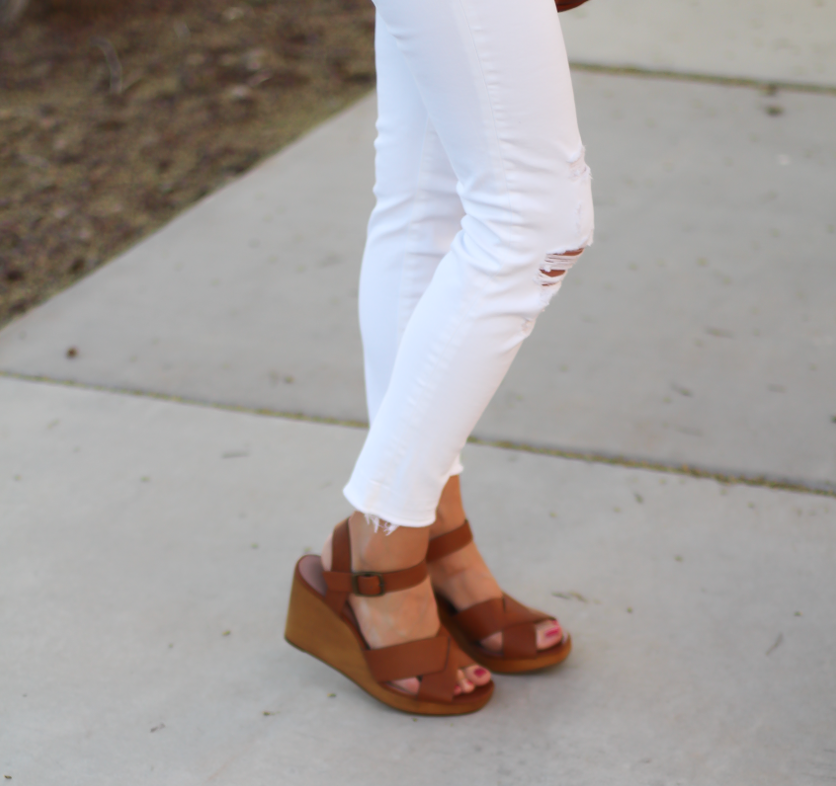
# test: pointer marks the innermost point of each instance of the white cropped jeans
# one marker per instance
(481, 185)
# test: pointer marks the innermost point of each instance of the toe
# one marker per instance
(465, 685)
(477, 674)
(410, 685)
(549, 633)
(467, 680)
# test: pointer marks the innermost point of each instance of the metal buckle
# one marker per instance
(355, 585)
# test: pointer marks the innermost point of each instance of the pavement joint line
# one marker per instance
(670, 468)
(769, 86)
(591, 457)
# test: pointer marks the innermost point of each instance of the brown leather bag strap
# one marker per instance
(568, 5)
(449, 542)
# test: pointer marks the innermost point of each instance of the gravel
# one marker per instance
(115, 117)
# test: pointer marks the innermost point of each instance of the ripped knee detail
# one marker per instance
(555, 266)
(549, 278)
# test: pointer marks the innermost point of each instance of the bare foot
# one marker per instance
(397, 617)
(464, 578)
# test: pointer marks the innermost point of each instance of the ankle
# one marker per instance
(450, 511)
(466, 563)
(378, 551)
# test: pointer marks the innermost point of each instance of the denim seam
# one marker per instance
(494, 123)
(421, 401)
(416, 202)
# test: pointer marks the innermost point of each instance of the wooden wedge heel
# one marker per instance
(320, 622)
(497, 615)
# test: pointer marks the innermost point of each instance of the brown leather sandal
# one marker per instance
(497, 615)
(320, 622)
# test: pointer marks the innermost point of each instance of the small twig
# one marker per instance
(129, 83)
(570, 596)
(776, 644)
(113, 64)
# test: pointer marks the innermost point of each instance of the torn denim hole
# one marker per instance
(554, 263)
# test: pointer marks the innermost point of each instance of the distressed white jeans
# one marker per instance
(481, 185)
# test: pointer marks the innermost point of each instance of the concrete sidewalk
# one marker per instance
(698, 329)
(147, 549)
(763, 40)
(146, 545)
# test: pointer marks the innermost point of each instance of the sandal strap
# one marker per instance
(412, 659)
(441, 685)
(519, 641)
(506, 616)
(342, 581)
(498, 615)
(449, 542)
(370, 584)
(434, 661)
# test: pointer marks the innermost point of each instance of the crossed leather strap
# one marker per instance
(434, 661)
(499, 615)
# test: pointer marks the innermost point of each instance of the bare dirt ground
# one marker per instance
(115, 117)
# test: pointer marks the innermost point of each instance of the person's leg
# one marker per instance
(464, 578)
(494, 80)
(416, 216)
(397, 617)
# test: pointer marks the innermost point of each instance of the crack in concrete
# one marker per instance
(593, 457)
(768, 85)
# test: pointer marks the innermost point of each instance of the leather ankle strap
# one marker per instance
(449, 542)
(342, 581)
(370, 584)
